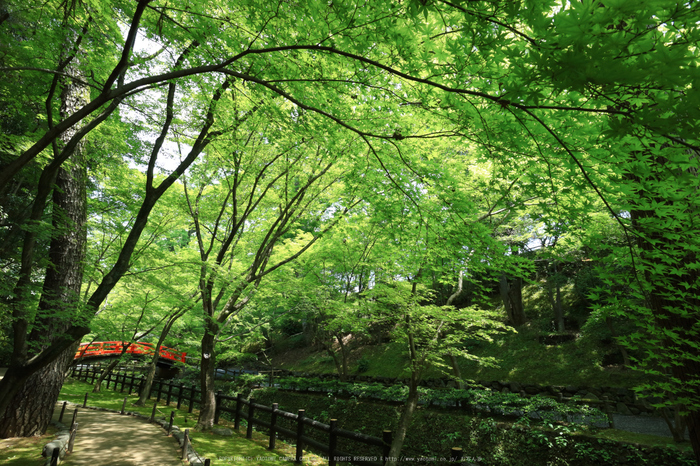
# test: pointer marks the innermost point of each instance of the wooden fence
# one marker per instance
(300, 433)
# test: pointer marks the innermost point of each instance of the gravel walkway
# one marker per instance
(110, 439)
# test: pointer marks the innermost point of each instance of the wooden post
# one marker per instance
(153, 413)
(142, 382)
(71, 439)
(179, 395)
(170, 424)
(207, 462)
(131, 384)
(456, 455)
(300, 434)
(54, 456)
(123, 406)
(251, 413)
(123, 382)
(170, 393)
(63, 410)
(273, 426)
(185, 444)
(191, 406)
(109, 379)
(160, 386)
(332, 442)
(386, 438)
(239, 406)
(85, 400)
(75, 414)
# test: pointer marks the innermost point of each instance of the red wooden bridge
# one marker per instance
(108, 348)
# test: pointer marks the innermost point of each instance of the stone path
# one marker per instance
(110, 439)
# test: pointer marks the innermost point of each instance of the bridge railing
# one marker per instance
(106, 348)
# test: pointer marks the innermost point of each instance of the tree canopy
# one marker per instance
(231, 137)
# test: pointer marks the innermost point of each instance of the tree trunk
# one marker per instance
(456, 372)
(110, 367)
(148, 383)
(208, 363)
(404, 423)
(343, 356)
(554, 293)
(623, 351)
(31, 408)
(512, 297)
(558, 308)
(29, 412)
(336, 361)
(516, 297)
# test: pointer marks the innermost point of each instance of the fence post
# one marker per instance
(170, 424)
(71, 439)
(456, 455)
(332, 442)
(131, 384)
(85, 400)
(251, 413)
(54, 456)
(72, 423)
(179, 395)
(386, 438)
(207, 462)
(123, 382)
(170, 393)
(63, 410)
(153, 413)
(160, 386)
(217, 406)
(300, 434)
(185, 444)
(239, 406)
(108, 379)
(273, 426)
(123, 406)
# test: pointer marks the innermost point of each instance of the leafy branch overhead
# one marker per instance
(365, 165)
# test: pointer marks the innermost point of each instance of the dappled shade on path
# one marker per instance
(111, 439)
